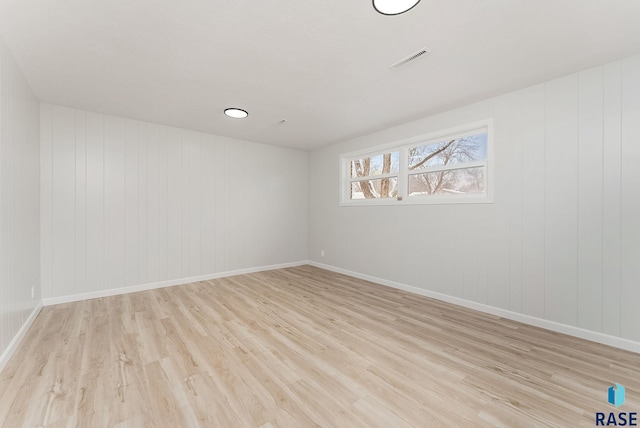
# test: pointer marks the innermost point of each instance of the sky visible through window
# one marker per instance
(449, 165)
(478, 141)
(376, 164)
(464, 149)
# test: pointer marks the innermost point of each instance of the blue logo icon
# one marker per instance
(616, 395)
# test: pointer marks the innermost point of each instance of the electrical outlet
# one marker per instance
(321, 253)
(33, 292)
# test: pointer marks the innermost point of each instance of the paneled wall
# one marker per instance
(19, 199)
(128, 203)
(561, 242)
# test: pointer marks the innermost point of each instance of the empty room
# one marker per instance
(365, 213)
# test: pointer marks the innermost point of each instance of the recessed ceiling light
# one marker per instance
(394, 7)
(236, 113)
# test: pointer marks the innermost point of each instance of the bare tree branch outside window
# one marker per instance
(447, 153)
(451, 166)
(368, 168)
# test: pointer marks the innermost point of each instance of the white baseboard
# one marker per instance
(593, 336)
(170, 283)
(13, 345)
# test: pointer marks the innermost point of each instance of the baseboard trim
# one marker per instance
(617, 342)
(170, 283)
(13, 345)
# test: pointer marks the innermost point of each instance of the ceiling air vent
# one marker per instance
(409, 59)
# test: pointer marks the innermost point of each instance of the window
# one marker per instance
(451, 166)
(375, 176)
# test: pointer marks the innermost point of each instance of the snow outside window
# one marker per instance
(451, 166)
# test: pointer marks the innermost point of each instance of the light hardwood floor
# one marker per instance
(301, 347)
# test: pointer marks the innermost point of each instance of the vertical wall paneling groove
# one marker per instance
(611, 227)
(162, 202)
(232, 200)
(630, 200)
(80, 201)
(515, 201)
(220, 194)
(263, 203)
(46, 196)
(458, 239)
(114, 201)
(174, 207)
(20, 222)
(161, 188)
(533, 202)
(95, 206)
(465, 280)
(499, 261)
(207, 218)
(482, 218)
(194, 209)
(184, 227)
(149, 203)
(561, 241)
(153, 209)
(63, 173)
(483, 257)
(132, 207)
(143, 192)
(590, 185)
(227, 195)
(238, 200)
(470, 254)
(561, 161)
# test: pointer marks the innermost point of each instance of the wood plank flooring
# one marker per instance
(301, 347)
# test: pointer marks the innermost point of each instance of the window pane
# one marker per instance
(383, 163)
(375, 189)
(449, 152)
(451, 182)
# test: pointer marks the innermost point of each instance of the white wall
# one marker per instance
(19, 199)
(562, 240)
(126, 203)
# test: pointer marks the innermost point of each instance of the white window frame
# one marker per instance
(403, 174)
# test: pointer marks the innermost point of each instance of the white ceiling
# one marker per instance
(321, 65)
